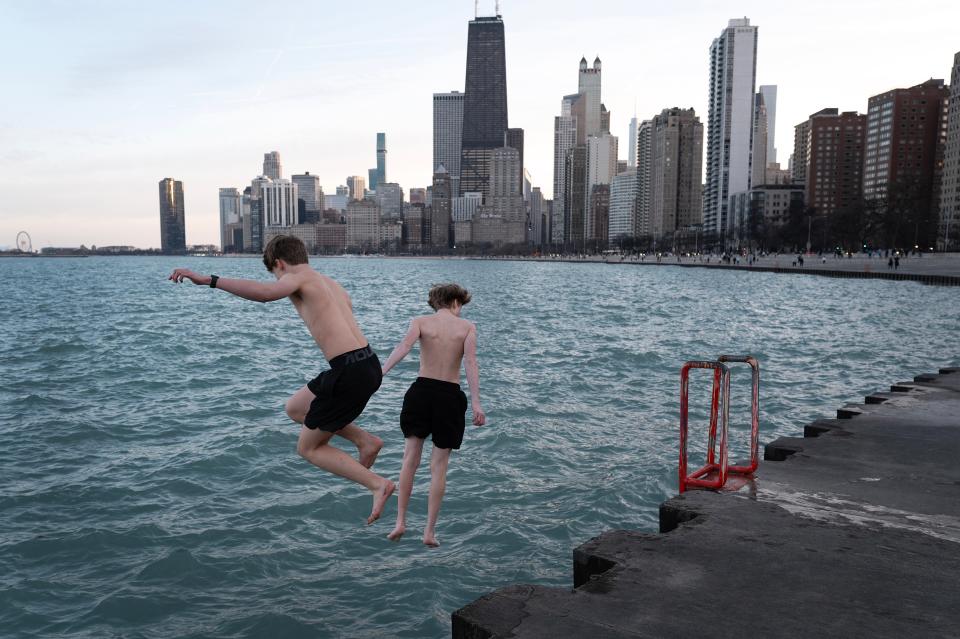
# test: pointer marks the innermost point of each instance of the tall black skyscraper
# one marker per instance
(172, 228)
(484, 102)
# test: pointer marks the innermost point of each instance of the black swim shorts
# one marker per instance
(343, 391)
(434, 407)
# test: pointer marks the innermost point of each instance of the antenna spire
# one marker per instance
(498, 8)
(476, 9)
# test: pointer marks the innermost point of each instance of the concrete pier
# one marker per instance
(852, 530)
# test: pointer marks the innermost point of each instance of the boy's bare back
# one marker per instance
(327, 311)
(442, 338)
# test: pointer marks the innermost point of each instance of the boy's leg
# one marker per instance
(368, 446)
(438, 486)
(412, 450)
(313, 446)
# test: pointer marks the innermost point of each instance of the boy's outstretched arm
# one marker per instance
(473, 375)
(247, 289)
(413, 334)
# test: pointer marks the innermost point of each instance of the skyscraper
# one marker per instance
(601, 169)
(588, 85)
(834, 156)
(381, 157)
(378, 175)
(798, 161)
(677, 159)
(769, 92)
(389, 197)
(309, 197)
(448, 134)
(906, 129)
(599, 207)
(758, 155)
(733, 70)
(484, 102)
(623, 205)
(641, 217)
(564, 138)
(632, 149)
(502, 218)
(514, 139)
(950, 184)
(172, 226)
(536, 229)
(583, 122)
(253, 232)
(575, 196)
(272, 168)
(279, 201)
(230, 219)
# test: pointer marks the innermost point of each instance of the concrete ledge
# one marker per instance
(854, 531)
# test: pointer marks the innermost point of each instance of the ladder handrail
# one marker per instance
(719, 419)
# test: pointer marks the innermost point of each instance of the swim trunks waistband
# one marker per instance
(437, 384)
(352, 357)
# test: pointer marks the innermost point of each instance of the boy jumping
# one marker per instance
(434, 404)
(328, 404)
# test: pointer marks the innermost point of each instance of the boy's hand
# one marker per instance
(181, 274)
(479, 417)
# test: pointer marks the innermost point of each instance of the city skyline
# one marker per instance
(129, 111)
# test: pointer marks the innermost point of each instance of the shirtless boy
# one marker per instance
(328, 404)
(434, 404)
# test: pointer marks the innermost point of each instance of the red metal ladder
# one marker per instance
(715, 472)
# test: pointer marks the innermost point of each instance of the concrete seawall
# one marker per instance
(939, 279)
(852, 530)
(941, 269)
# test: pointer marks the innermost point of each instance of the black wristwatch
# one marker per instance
(213, 281)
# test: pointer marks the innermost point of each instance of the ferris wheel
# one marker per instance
(24, 243)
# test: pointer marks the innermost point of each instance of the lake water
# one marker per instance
(151, 486)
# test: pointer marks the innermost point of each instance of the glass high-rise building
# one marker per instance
(378, 175)
(484, 102)
(172, 226)
(309, 196)
(448, 135)
(230, 219)
(733, 73)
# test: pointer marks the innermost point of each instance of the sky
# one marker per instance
(102, 99)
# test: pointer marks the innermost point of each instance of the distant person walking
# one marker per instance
(896, 262)
(434, 404)
(329, 404)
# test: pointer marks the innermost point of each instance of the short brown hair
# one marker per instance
(287, 248)
(444, 295)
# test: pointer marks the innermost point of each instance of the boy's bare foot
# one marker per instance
(397, 533)
(429, 539)
(368, 451)
(380, 497)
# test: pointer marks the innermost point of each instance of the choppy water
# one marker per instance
(150, 484)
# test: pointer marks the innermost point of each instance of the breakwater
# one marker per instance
(939, 279)
(851, 530)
